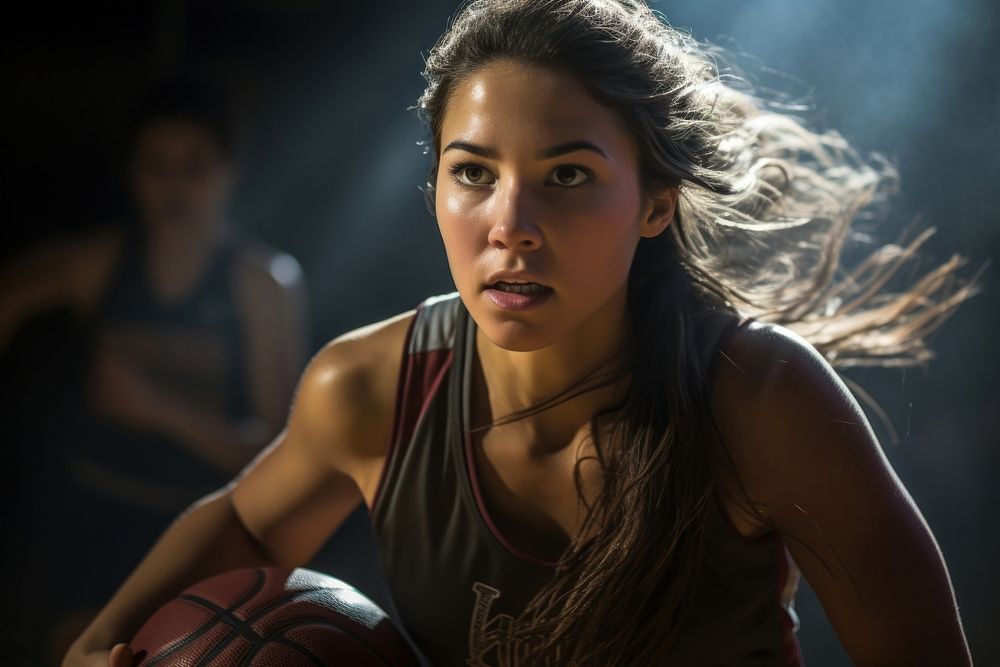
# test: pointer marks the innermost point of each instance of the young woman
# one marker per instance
(622, 437)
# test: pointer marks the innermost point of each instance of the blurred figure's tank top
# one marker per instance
(458, 584)
(193, 348)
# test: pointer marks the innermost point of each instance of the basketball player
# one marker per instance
(621, 439)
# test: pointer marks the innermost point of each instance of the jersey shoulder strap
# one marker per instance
(428, 354)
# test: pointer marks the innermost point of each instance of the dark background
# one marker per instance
(331, 173)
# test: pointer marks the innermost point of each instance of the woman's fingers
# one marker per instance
(120, 656)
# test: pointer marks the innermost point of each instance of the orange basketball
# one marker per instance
(271, 616)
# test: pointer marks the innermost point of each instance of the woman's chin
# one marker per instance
(512, 335)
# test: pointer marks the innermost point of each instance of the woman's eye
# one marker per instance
(569, 175)
(474, 174)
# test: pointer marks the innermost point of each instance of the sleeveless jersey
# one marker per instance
(193, 348)
(458, 584)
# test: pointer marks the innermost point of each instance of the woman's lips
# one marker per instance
(516, 301)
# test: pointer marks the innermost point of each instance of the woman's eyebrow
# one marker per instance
(551, 152)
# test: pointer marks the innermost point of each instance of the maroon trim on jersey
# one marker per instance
(424, 373)
(420, 376)
(405, 368)
(792, 650)
(470, 466)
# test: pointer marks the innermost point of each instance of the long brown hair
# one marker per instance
(766, 207)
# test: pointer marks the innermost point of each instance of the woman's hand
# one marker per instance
(120, 655)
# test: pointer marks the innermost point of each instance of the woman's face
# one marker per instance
(545, 180)
(180, 177)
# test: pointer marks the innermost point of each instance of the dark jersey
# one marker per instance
(192, 348)
(458, 583)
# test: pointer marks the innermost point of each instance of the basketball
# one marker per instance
(271, 616)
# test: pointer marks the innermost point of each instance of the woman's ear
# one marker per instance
(430, 191)
(659, 211)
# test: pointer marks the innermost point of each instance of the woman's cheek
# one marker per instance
(460, 240)
(601, 250)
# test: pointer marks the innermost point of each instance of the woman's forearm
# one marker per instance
(206, 539)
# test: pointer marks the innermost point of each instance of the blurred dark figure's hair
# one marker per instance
(188, 99)
(766, 206)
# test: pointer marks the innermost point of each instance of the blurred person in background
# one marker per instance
(194, 337)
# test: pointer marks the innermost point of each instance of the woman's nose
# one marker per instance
(513, 222)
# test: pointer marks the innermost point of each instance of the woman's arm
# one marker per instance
(65, 271)
(287, 502)
(205, 539)
(804, 450)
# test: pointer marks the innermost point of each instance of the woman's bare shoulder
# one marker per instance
(346, 397)
(747, 356)
(260, 266)
(781, 407)
(756, 356)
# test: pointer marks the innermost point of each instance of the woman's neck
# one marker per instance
(511, 380)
